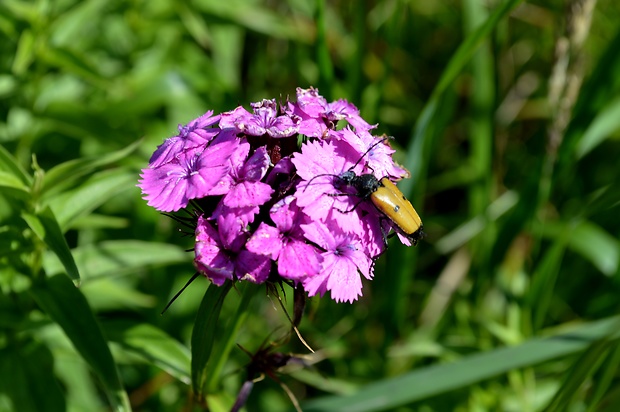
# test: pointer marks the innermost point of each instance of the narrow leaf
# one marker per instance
(10, 165)
(65, 174)
(227, 341)
(32, 385)
(153, 346)
(65, 305)
(91, 194)
(203, 334)
(73, 61)
(10, 181)
(454, 67)
(45, 226)
(434, 380)
(24, 55)
(605, 123)
(118, 257)
(580, 371)
(543, 282)
(596, 245)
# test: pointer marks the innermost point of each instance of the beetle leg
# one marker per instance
(347, 194)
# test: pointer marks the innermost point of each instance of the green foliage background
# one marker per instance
(506, 113)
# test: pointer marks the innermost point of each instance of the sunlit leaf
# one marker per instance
(119, 257)
(605, 123)
(62, 176)
(13, 170)
(45, 226)
(69, 206)
(597, 245)
(152, 345)
(437, 379)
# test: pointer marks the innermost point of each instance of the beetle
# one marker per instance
(385, 197)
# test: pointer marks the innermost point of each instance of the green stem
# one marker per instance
(228, 340)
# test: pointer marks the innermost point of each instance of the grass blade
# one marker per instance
(435, 380)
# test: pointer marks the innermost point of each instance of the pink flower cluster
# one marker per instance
(267, 208)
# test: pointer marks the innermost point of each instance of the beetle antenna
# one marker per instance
(383, 139)
(314, 177)
(369, 149)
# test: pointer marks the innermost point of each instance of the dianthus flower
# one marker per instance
(269, 209)
(196, 133)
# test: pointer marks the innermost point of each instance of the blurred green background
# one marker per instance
(506, 113)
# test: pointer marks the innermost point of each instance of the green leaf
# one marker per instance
(257, 18)
(13, 188)
(543, 282)
(103, 186)
(604, 124)
(203, 334)
(45, 226)
(72, 61)
(28, 378)
(111, 293)
(65, 305)
(228, 339)
(117, 257)
(606, 378)
(580, 371)
(465, 232)
(99, 221)
(440, 379)
(596, 245)
(71, 24)
(11, 181)
(600, 88)
(151, 345)
(80, 388)
(62, 176)
(590, 241)
(9, 164)
(459, 60)
(24, 56)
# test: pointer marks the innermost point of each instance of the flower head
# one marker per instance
(264, 121)
(270, 210)
(285, 242)
(195, 134)
(192, 174)
(343, 262)
(318, 116)
(220, 254)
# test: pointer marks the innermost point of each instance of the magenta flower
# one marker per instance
(257, 197)
(220, 253)
(265, 120)
(320, 194)
(196, 134)
(378, 160)
(242, 189)
(343, 262)
(245, 187)
(318, 116)
(192, 174)
(285, 243)
(343, 110)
